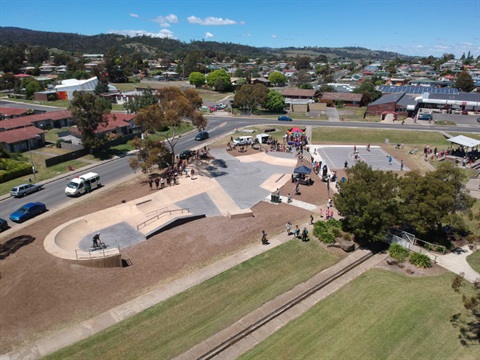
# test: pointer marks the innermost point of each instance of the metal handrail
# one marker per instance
(149, 221)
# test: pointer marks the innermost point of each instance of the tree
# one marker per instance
(468, 322)
(150, 153)
(37, 55)
(31, 86)
(197, 78)
(89, 111)
(174, 106)
(370, 93)
(137, 103)
(300, 77)
(327, 88)
(275, 101)
(219, 78)
(249, 97)
(427, 201)
(102, 86)
(368, 201)
(464, 82)
(303, 63)
(8, 81)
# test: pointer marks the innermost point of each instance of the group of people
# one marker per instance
(297, 233)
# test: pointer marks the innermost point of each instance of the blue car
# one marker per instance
(284, 118)
(202, 135)
(28, 211)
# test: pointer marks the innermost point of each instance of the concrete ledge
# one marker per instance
(240, 214)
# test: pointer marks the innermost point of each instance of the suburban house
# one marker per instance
(22, 139)
(10, 113)
(117, 123)
(395, 103)
(67, 87)
(52, 119)
(349, 99)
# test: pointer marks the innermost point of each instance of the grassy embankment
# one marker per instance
(175, 325)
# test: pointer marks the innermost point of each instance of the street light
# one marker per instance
(31, 159)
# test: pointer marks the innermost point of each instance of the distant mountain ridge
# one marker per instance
(148, 46)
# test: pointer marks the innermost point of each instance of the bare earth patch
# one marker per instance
(41, 294)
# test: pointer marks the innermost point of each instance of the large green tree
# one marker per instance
(275, 101)
(429, 201)
(464, 82)
(196, 78)
(88, 112)
(369, 91)
(219, 80)
(368, 201)
(277, 78)
(174, 107)
(250, 97)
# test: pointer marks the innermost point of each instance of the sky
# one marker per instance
(408, 27)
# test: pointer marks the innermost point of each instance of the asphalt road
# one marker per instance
(53, 194)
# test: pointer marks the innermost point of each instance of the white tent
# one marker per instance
(70, 85)
(465, 141)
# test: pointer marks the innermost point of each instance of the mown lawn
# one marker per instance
(175, 325)
(380, 315)
(474, 260)
(326, 135)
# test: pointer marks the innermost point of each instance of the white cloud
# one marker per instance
(274, 36)
(165, 21)
(134, 15)
(164, 33)
(246, 35)
(211, 21)
(209, 35)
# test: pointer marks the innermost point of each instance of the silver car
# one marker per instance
(25, 189)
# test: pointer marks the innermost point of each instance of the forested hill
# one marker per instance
(149, 46)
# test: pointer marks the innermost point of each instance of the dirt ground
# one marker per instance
(40, 294)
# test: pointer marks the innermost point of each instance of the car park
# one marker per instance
(25, 189)
(187, 154)
(202, 135)
(28, 211)
(284, 118)
(3, 225)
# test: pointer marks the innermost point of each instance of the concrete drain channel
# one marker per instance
(274, 314)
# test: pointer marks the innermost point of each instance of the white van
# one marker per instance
(83, 184)
(243, 140)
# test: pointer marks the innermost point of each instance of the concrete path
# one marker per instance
(456, 262)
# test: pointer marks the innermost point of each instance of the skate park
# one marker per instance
(226, 186)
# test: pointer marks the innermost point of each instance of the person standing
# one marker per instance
(345, 166)
(401, 165)
(289, 198)
(289, 227)
(304, 234)
(150, 183)
(311, 219)
(264, 238)
(390, 160)
(96, 239)
(157, 182)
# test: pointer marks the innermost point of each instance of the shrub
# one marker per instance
(420, 260)
(398, 252)
(440, 248)
(327, 238)
(336, 232)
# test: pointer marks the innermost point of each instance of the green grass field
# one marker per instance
(175, 325)
(326, 135)
(474, 260)
(380, 315)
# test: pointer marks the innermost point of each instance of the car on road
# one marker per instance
(3, 225)
(187, 154)
(28, 211)
(202, 135)
(25, 189)
(284, 118)
(478, 120)
(425, 116)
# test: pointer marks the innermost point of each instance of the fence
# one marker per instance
(409, 242)
(95, 254)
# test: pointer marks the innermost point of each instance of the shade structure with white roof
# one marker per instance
(464, 141)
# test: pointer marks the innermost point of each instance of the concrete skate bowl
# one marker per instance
(63, 242)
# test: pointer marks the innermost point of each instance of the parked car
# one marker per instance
(25, 189)
(187, 154)
(425, 116)
(202, 135)
(284, 118)
(28, 211)
(478, 119)
(3, 225)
